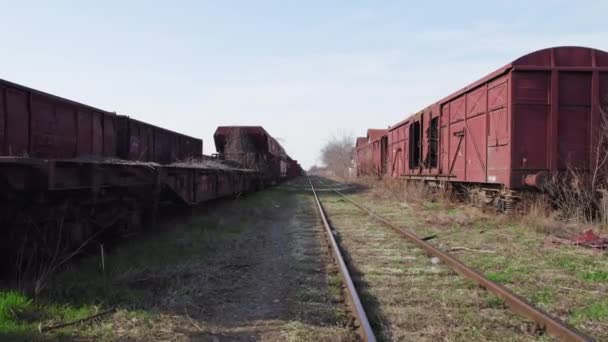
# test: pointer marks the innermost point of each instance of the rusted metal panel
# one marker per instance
(109, 136)
(2, 118)
(477, 102)
(457, 160)
(531, 138)
(17, 122)
(574, 120)
(444, 141)
(85, 136)
(601, 58)
(97, 134)
(457, 109)
(476, 148)
(572, 57)
(603, 80)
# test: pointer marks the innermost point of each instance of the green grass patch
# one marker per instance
(543, 296)
(499, 277)
(494, 302)
(583, 267)
(597, 311)
(12, 306)
(595, 276)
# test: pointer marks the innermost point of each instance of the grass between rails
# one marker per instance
(406, 296)
(165, 283)
(569, 282)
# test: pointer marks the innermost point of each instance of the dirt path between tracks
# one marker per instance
(253, 269)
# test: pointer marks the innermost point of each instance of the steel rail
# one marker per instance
(365, 328)
(544, 321)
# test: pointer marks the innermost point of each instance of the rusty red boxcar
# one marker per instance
(537, 114)
(371, 153)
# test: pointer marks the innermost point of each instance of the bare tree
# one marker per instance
(338, 154)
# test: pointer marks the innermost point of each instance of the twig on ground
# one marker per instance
(194, 323)
(454, 249)
(82, 320)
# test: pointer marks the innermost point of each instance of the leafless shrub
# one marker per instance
(337, 154)
(48, 245)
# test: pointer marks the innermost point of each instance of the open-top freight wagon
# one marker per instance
(70, 172)
(254, 148)
(540, 114)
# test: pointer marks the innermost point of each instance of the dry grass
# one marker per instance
(249, 269)
(567, 281)
(408, 297)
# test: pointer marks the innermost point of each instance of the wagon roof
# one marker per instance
(361, 141)
(375, 134)
(560, 56)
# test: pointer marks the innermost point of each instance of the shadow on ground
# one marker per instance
(245, 270)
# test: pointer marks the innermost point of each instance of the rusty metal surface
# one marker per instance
(552, 325)
(145, 142)
(371, 153)
(39, 125)
(538, 113)
(365, 328)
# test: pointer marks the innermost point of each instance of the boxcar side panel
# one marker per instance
(604, 91)
(457, 151)
(531, 110)
(97, 134)
(85, 133)
(43, 127)
(2, 118)
(499, 131)
(574, 120)
(476, 148)
(67, 130)
(109, 136)
(17, 122)
(444, 140)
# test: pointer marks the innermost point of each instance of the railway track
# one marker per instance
(378, 268)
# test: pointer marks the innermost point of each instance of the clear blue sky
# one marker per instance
(302, 69)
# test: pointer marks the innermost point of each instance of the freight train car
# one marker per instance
(294, 169)
(39, 125)
(254, 148)
(71, 172)
(371, 153)
(537, 115)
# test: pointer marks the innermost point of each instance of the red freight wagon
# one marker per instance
(538, 114)
(371, 153)
(145, 142)
(257, 149)
(361, 157)
(40, 125)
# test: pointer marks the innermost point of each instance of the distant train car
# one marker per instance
(536, 115)
(294, 169)
(371, 153)
(254, 148)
